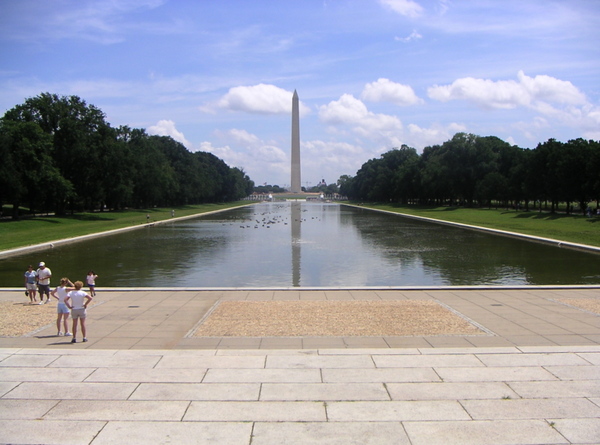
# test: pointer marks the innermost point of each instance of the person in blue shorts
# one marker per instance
(60, 293)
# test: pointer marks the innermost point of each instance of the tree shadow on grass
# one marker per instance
(553, 216)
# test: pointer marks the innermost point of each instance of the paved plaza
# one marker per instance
(531, 377)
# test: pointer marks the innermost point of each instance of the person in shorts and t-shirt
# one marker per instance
(43, 278)
(30, 284)
(77, 300)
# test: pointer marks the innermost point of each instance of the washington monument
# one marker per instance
(295, 181)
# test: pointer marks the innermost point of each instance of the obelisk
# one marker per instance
(295, 181)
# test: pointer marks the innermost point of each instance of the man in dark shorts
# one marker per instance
(43, 278)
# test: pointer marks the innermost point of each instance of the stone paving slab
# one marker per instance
(256, 412)
(497, 374)
(396, 411)
(118, 410)
(25, 409)
(580, 431)
(73, 390)
(201, 433)
(323, 391)
(531, 409)
(197, 391)
(388, 375)
(330, 433)
(263, 376)
(499, 432)
(18, 374)
(144, 375)
(50, 432)
(450, 391)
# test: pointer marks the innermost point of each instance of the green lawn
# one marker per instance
(43, 229)
(572, 228)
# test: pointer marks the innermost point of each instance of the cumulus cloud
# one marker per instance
(385, 90)
(381, 128)
(261, 160)
(407, 8)
(260, 99)
(532, 92)
(167, 128)
(351, 111)
(436, 134)
(330, 159)
(558, 101)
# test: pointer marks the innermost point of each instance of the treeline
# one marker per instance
(60, 155)
(472, 170)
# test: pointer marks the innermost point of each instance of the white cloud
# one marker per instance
(167, 128)
(261, 160)
(436, 134)
(413, 36)
(330, 159)
(261, 99)
(549, 89)
(558, 101)
(385, 90)
(527, 91)
(350, 111)
(407, 8)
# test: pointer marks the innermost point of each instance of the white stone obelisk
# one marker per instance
(295, 180)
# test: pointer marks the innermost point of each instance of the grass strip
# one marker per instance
(572, 228)
(43, 229)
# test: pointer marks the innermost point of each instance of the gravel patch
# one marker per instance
(588, 304)
(23, 318)
(332, 318)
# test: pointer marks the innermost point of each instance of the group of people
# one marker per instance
(71, 298)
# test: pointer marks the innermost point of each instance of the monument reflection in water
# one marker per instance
(304, 244)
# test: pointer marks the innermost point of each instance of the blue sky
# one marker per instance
(371, 75)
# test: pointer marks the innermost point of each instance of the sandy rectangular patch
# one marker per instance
(332, 318)
(21, 319)
(587, 304)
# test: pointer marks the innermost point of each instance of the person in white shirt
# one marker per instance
(77, 300)
(60, 293)
(43, 279)
(91, 282)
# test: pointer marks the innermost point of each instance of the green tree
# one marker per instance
(27, 172)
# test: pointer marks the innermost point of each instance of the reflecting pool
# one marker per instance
(305, 244)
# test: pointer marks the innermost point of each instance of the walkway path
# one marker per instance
(534, 378)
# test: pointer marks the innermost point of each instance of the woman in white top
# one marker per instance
(60, 293)
(77, 300)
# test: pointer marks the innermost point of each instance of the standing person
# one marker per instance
(77, 300)
(61, 308)
(30, 284)
(91, 282)
(43, 278)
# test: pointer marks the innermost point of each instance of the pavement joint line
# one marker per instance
(573, 307)
(468, 319)
(32, 333)
(192, 331)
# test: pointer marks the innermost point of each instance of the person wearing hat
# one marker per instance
(43, 278)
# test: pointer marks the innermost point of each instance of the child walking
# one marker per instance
(91, 282)
(60, 293)
(77, 300)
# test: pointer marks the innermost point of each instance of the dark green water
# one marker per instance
(308, 245)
